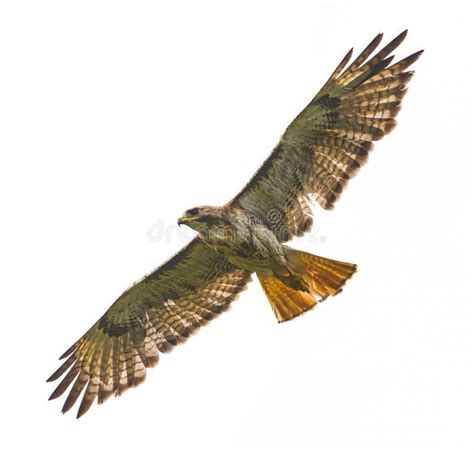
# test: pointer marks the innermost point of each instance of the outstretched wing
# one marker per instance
(158, 312)
(329, 140)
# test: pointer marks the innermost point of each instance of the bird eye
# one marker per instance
(192, 211)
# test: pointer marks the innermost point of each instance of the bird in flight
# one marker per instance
(319, 152)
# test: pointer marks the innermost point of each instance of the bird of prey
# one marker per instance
(319, 152)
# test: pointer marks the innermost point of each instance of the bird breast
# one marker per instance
(247, 243)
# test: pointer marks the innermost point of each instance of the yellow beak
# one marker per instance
(184, 219)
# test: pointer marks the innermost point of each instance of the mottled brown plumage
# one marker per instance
(323, 148)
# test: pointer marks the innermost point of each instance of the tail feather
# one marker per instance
(323, 277)
(286, 302)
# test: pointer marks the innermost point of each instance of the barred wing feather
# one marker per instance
(155, 314)
(328, 142)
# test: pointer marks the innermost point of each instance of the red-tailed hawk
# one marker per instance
(319, 152)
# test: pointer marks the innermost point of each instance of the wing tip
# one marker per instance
(83, 409)
(378, 38)
(53, 396)
(51, 378)
(417, 54)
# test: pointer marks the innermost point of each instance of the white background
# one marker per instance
(117, 116)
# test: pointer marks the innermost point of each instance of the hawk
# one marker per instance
(320, 151)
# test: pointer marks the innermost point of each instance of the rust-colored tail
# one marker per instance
(323, 277)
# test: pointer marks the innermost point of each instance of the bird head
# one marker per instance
(202, 218)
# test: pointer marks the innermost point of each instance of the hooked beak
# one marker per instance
(184, 219)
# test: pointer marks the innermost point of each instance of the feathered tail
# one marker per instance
(317, 278)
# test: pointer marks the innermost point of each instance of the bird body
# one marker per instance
(320, 151)
(239, 236)
(249, 244)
